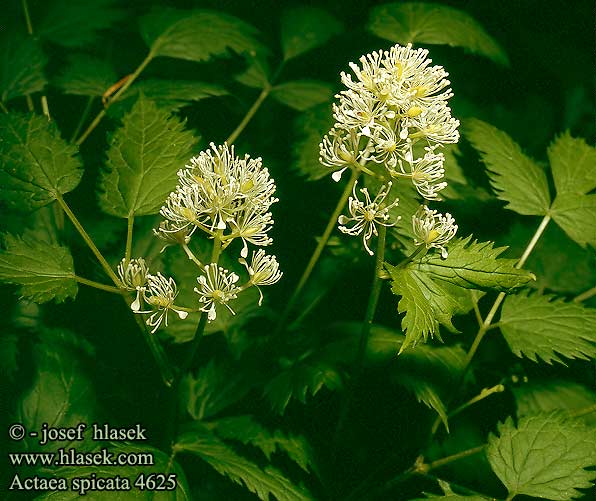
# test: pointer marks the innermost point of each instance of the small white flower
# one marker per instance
(426, 173)
(433, 229)
(133, 275)
(217, 286)
(252, 226)
(170, 235)
(361, 110)
(263, 270)
(161, 293)
(340, 148)
(366, 215)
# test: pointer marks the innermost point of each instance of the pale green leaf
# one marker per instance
(557, 395)
(74, 24)
(248, 431)
(515, 177)
(475, 265)
(21, 66)
(304, 28)
(576, 215)
(162, 464)
(196, 35)
(430, 23)
(459, 187)
(264, 482)
(43, 271)
(573, 164)
(144, 156)
(310, 127)
(543, 456)
(36, 164)
(86, 75)
(302, 94)
(424, 302)
(543, 327)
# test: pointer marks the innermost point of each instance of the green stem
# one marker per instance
(511, 496)
(476, 309)
(3, 107)
(191, 256)
(585, 295)
(129, 229)
(27, 16)
(454, 457)
(97, 285)
(88, 240)
(44, 107)
(583, 412)
(83, 118)
(121, 91)
(318, 250)
(249, 114)
(30, 106)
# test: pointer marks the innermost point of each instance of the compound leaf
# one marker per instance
(575, 214)
(264, 482)
(196, 35)
(475, 265)
(86, 75)
(74, 24)
(515, 177)
(43, 271)
(21, 66)
(429, 23)
(573, 164)
(542, 326)
(304, 28)
(302, 94)
(36, 164)
(543, 456)
(144, 156)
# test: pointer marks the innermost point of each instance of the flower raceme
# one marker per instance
(226, 197)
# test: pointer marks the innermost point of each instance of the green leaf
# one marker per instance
(302, 94)
(542, 326)
(61, 393)
(21, 66)
(544, 456)
(162, 464)
(556, 395)
(310, 127)
(264, 482)
(144, 156)
(573, 164)
(36, 164)
(196, 35)
(425, 303)
(429, 23)
(575, 214)
(258, 74)
(248, 431)
(515, 177)
(43, 271)
(86, 75)
(74, 24)
(304, 28)
(475, 265)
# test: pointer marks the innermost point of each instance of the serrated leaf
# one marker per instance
(302, 94)
(310, 127)
(573, 164)
(21, 66)
(264, 482)
(429, 23)
(61, 394)
(304, 28)
(36, 164)
(544, 456)
(515, 177)
(428, 395)
(475, 265)
(86, 75)
(575, 214)
(542, 326)
(144, 156)
(196, 35)
(248, 431)
(556, 395)
(74, 24)
(424, 302)
(162, 464)
(43, 271)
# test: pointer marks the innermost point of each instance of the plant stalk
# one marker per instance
(130, 222)
(98, 285)
(250, 113)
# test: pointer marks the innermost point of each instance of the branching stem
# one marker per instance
(97, 285)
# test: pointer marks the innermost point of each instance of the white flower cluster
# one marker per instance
(391, 122)
(227, 198)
